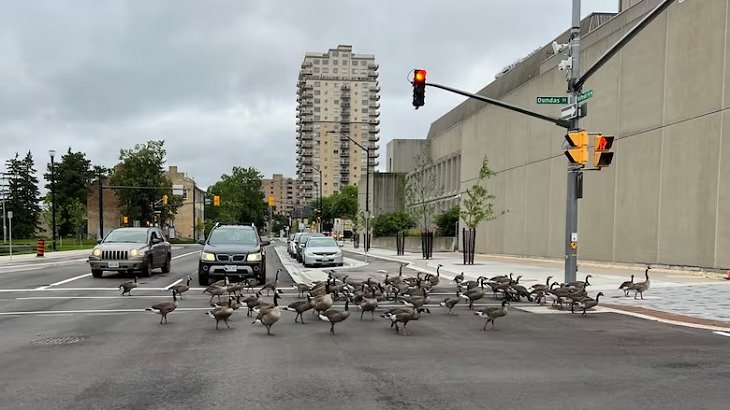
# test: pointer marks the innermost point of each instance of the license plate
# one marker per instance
(113, 264)
(231, 268)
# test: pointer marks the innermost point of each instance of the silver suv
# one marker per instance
(131, 249)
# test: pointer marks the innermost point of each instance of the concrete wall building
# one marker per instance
(400, 154)
(284, 190)
(664, 199)
(183, 221)
(337, 97)
(386, 192)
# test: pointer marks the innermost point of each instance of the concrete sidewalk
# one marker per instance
(31, 257)
(685, 296)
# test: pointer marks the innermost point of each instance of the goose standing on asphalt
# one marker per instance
(335, 316)
(215, 290)
(127, 287)
(625, 285)
(641, 287)
(253, 301)
(180, 289)
(405, 317)
(588, 303)
(300, 306)
(273, 284)
(221, 313)
(368, 305)
(268, 315)
(163, 308)
(492, 313)
(474, 294)
(451, 302)
(459, 278)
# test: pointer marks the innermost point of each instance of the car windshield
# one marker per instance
(321, 243)
(233, 237)
(128, 236)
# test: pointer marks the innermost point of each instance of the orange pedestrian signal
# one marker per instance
(602, 157)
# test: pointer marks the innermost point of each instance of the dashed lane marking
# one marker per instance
(717, 332)
(64, 281)
(172, 284)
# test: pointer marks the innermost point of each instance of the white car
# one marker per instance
(322, 250)
(292, 245)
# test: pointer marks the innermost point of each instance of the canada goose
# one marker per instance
(322, 302)
(451, 302)
(416, 301)
(300, 306)
(163, 308)
(180, 289)
(459, 278)
(302, 287)
(250, 283)
(580, 283)
(335, 316)
(625, 285)
(265, 305)
(269, 315)
(233, 302)
(221, 314)
(474, 294)
(641, 287)
(589, 303)
(471, 284)
(223, 282)
(215, 290)
(234, 288)
(435, 279)
(127, 287)
(541, 286)
(405, 317)
(253, 301)
(492, 313)
(273, 284)
(368, 305)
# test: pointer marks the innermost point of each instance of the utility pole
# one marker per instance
(52, 153)
(101, 208)
(571, 211)
(195, 220)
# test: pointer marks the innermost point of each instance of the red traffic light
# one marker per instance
(419, 76)
(603, 143)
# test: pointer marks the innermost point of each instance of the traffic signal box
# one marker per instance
(216, 200)
(580, 152)
(578, 141)
(272, 200)
(602, 156)
(419, 87)
(164, 200)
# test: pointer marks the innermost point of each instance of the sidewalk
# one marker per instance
(31, 257)
(674, 295)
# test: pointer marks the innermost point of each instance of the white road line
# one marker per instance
(667, 321)
(721, 333)
(64, 281)
(66, 312)
(184, 254)
(173, 284)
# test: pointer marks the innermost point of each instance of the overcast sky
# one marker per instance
(217, 80)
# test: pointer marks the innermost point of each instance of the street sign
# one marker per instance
(586, 95)
(552, 100)
(568, 112)
(10, 214)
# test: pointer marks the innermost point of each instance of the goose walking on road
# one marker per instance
(180, 289)
(641, 287)
(127, 287)
(625, 285)
(492, 313)
(272, 285)
(335, 316)
(163, 308)
(222, 313)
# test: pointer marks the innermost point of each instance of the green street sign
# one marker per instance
(586, 95)
(552, 100)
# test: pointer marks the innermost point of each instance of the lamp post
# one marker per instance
(321, 210)
(367, 195)
(52, 153)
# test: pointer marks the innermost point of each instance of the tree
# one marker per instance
(447, 221)
(242, 198)
(24, 197)
(142, 167)
(391, 223)
(477, 205)
(75, 211)
(346, 203)
(421, 187)
(72, 175)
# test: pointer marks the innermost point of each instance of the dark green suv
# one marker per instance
(233, 251)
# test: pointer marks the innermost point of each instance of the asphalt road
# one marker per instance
(104, 351)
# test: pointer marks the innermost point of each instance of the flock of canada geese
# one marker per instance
(411, 292)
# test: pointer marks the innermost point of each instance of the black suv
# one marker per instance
(235, 251)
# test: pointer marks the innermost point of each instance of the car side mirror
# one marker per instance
(98, 241)
(201, 242)
(156, 241)
(265, 241)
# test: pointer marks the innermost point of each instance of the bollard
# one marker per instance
(41, 248)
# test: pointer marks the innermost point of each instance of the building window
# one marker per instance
(316, 61)
(334, 62)
(325, 62)
(364, 110)
(185, 194)
(316, 69)
(334, 70)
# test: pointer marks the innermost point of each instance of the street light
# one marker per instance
(367, 194)
(52, 153)
(321, 210)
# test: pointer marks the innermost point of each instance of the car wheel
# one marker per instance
(203, 279)
(97, 273)
(166, 266)
(147, 268)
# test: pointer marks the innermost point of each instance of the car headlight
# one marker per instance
(96, 252)
(207, 256)
(254, 257)
(133, 252)
(338, 253)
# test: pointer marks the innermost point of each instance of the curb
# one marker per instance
(667, 317)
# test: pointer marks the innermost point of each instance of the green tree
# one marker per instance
(23, 196)
(391, 223)
(346, 202)
(447, 221)
(72, 175)
(242, 198)
(477, 206)
(421, 187)
(76, 213)
(142, 167)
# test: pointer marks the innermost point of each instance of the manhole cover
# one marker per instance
(65, 340)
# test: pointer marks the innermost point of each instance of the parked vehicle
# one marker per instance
(302, 240)
(322, 251)
(292, 244)
(131, 249)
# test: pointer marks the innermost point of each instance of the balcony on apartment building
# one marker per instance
(373, 130)
(374, 121)
(374, 105)
(373, 74)
(374, 89)
(373, 66)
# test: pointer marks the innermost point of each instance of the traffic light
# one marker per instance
(164, 199)
(578, 140)
(419, 88)
(602, 156)
(216, 200)
(125, 219)
(271, 201)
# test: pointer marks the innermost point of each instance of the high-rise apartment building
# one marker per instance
(337, 97)
(284, 190)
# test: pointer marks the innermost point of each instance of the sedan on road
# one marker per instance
(131, 249)
(321, 251)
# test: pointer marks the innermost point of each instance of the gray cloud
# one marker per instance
(217, 80)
